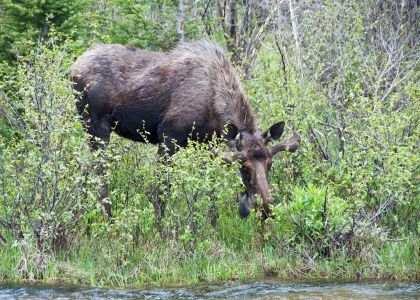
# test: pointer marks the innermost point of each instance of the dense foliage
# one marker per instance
(342, 74)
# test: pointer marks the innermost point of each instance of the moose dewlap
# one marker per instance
(192, 91)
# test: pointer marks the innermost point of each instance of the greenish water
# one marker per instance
(247, 290)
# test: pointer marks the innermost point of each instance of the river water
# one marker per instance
(250, 290)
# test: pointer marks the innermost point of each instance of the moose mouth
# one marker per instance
(244, 210)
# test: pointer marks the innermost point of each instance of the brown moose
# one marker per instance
(192, 91)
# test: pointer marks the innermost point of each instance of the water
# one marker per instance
(250, 290)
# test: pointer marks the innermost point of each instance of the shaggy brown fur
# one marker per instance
(161, 96)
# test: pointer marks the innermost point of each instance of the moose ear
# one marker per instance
(232, 132)
(274, 132)
(232, 136)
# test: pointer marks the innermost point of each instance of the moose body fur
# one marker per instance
(160, 96)
(192, 91)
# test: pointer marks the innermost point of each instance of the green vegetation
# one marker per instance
(346, 204)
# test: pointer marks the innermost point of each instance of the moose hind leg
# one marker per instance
(100, 131)
(213, 211)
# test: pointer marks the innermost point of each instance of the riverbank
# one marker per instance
(163, 264)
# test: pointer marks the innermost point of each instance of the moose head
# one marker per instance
(255, 156)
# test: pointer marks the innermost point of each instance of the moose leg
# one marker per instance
(103, 193)
(213, 211)
(100, 130)
(162, 191)
(168, 139)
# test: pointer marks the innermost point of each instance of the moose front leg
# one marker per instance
(170, 138)
(163, 188)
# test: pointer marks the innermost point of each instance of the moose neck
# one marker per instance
(234, 108)
(229, 102)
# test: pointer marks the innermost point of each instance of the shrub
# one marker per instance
(312, 218)
(46, 177)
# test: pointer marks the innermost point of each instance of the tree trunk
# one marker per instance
(295, 30)
(233, 20)
(180, 20)
(220, 11)
(232, 44)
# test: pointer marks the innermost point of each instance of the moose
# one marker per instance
(190, 92)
